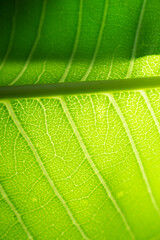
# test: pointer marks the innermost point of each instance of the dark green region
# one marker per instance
(60, 89)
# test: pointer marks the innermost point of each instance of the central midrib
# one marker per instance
(74, 88)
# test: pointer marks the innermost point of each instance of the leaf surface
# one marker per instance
(82, 166)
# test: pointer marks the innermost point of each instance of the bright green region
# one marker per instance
(81, 166)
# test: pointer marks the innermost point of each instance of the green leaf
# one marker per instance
(80, 166)
(45, 41)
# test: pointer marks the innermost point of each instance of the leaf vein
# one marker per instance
(21, 130)
(34, 45)
(136, 40)
(11, 37)
(119, 112)
(15, 212)
(98, 174)
(98, 43)
(75, 44)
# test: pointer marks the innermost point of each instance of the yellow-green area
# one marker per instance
(82, 166)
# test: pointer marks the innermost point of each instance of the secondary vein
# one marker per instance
(34, 45)
(98, 42)
(136, 40)
(75, 44)
(15, 212)
(22, 131)
(98, 174)
(147, 101)
(11, 37)
(125, 125)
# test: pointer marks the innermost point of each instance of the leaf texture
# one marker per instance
(82, 166)
(78, 41)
